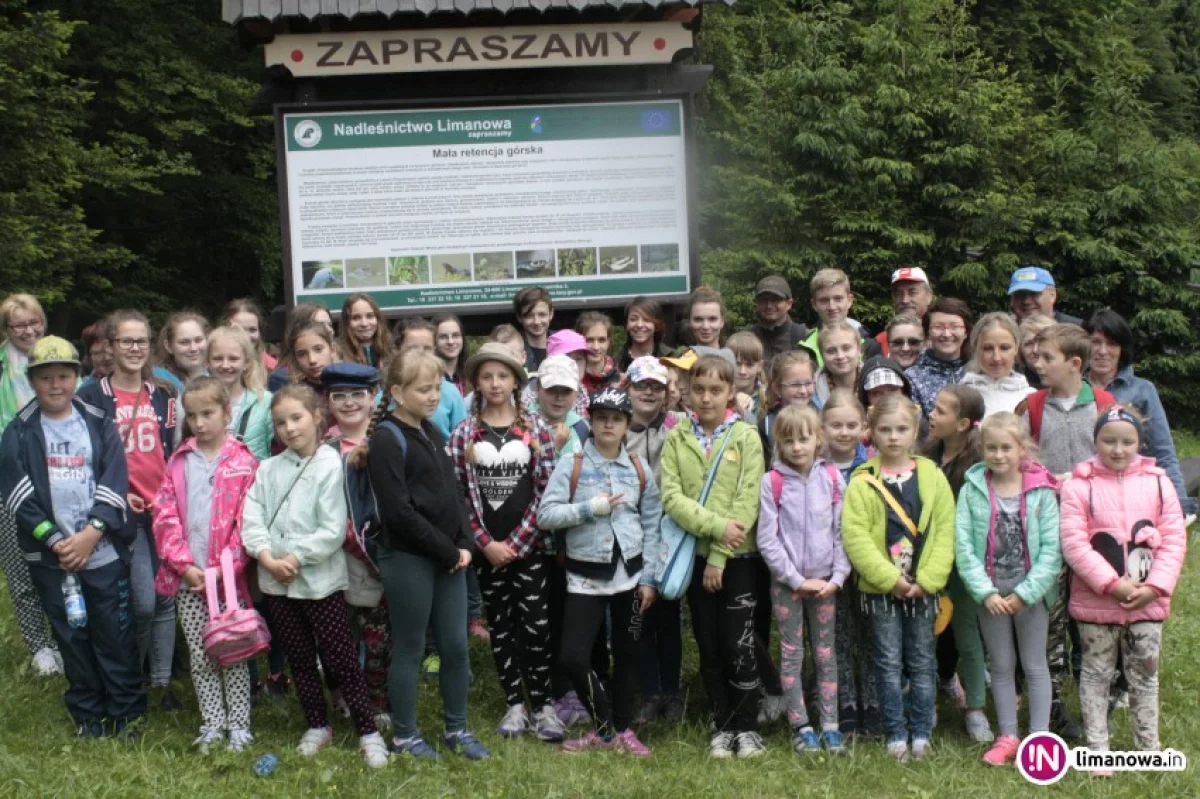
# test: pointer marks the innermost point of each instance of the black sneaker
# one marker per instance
(672, 709)
(872, 723)
(649, 710)
(276, 685)
(92, 730)
(1062, 724)
(170, 702)
(848, 721)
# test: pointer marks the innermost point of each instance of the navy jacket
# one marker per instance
(100, 394)
(25, 482)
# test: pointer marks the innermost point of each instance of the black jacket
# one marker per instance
(421, 505)
(784, 338)
(25, 482)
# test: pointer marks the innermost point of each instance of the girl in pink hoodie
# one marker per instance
(1123, 537)
(800, 540)
(197, 516)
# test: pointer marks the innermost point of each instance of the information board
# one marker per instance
(459, 208)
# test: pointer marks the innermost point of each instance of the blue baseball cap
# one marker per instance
(349, 375)
(1030, 278)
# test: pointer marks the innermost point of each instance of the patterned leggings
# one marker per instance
(854, 644)
(223, 694)
(376, 632)
(26, 606)
(790, 615)
(517, 600)
(298, 622)
(1138, 646)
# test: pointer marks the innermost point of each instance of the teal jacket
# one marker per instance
(864, 530)
(975, 541)
(734, 493)
(258, 430)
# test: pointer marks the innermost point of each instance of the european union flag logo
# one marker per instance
(657, 119)
(535, 124)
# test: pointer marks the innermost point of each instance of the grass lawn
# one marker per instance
(39, 754)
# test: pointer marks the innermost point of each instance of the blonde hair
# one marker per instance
(746, 346)
(1008, 422)
(714, 366)
(841, 398)
(894, 403)
(779, 367)
(207, 387)
(254, 376)
(840, 326)
(827, 279)
(795, 420)
(503, 334)
(1000, 319)
(402, 370)
(23, 302)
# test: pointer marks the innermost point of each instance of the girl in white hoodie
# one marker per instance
(996, 344)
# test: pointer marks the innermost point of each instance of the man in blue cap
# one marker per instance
(1032, 291)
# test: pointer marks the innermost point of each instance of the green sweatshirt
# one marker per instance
(734, 493)
(864, 530)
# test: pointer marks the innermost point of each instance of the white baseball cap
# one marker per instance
(558, 371)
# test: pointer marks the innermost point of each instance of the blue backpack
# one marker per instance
(360, 498)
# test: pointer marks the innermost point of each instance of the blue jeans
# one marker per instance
(904, 645)
(154, 614)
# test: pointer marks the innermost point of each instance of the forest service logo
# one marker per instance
(307, 133)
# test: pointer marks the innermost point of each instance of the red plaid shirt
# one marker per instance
(527, 538)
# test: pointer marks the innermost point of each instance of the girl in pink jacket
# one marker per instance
(197, 516)
(1123, 537)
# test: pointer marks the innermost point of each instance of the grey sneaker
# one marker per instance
(721, 746)
(978, 727)
(750, 744)
(547, 726)
(515, 722)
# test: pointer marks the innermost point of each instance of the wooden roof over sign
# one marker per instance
(238, 10)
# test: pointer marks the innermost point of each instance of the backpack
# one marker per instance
(777, 483)
(238, 633)
(360, 498)
(1035, 405)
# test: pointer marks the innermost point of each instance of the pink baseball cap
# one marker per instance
(564, 342)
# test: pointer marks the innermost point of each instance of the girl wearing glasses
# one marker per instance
(24, 323)
(233, 359)
(145, 413)
(948, 328)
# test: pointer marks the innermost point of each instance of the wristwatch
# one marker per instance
(98, 524)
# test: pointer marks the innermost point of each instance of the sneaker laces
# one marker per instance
(208, 736)
(515, 717)
(546, 717)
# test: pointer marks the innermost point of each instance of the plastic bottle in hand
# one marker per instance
(73, 599)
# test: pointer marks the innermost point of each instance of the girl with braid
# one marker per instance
(504, 458)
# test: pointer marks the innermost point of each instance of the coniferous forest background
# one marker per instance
(967, 136)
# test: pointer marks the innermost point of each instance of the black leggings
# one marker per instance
(560, 683)
(583, 618)
(723, 624)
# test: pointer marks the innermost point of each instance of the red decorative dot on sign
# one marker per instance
(660, 43)
(297, 56)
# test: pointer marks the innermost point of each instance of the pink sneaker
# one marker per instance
(590, 741)
(1003, 752)
(628, 741)
(479, 629)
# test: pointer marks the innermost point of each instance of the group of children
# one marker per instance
(551, 490)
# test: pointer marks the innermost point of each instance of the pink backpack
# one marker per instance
(236, 634)
(777, 483)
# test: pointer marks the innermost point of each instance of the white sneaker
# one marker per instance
(978, 727)
(547, 726)
(47, 661)
(750, 744)
(721, 746)
(374, 750)
(314, 740)
(58, 660)
(209, 736)
(515, 722)
(239, 740)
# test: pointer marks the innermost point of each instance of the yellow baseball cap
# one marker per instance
(52, 350)
(684, 362)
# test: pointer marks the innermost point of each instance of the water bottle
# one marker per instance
(265, 765)
(73, 599)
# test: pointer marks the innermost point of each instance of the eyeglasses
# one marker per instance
(653, 388)
(25, 327)
(905, 343)
(355, 395)
(133, 343)
(948, 328)
(803, 385)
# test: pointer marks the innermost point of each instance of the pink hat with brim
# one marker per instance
(565, 342)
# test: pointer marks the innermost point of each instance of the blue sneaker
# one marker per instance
(834, 741)
(415, 746)
(805, 740)
(466, 744)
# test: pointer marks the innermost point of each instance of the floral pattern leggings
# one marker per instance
(821, 615)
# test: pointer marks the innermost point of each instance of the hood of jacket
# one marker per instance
(874, 364)
(1013, 382)
(1033, 475)
(1140, 464)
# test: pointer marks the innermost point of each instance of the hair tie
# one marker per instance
(1117, 413)
(975, 425)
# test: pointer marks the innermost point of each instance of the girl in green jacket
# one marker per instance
(898, 531)
(722, 593)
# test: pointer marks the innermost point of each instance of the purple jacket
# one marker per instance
(800, 537)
